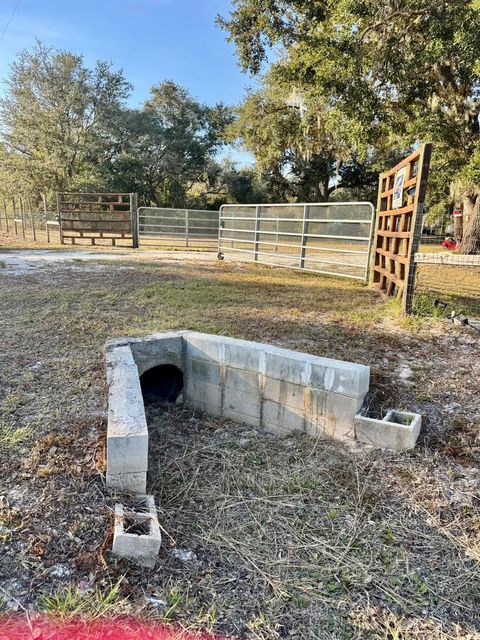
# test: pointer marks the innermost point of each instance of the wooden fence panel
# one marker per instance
(398, 228)
(95, 216)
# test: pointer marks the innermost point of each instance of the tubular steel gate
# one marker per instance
(190, 228)
(330, 238)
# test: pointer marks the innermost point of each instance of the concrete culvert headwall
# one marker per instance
(260, 385)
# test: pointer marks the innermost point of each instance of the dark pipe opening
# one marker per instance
(163, 383)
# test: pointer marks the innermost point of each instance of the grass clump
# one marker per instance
(73, 602)
(11, 437)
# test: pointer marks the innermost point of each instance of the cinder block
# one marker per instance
(316, 428)
(137, 533)
(288, 393)
(240, 354)
(244, 403)
(121, 341)
(128, 482)
(338, 429)
(203, 346)
(196, 391)
(336, 376)
(127, 454)
(241, 380)
(286, 365)
(203, 372)
(318, 406)
(397, 431)
(120, 358)
(206, 406)
(243, 418)
(277, 429)
(342, 407)
(284, 417)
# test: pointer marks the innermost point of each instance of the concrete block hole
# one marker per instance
(137, 534)
(163, 383)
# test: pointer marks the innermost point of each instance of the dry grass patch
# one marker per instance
(290, 538)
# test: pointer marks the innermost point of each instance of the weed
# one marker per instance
(174, 599)
(11, 437)
(73, 602)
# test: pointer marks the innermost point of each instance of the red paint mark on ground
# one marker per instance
(44, 628)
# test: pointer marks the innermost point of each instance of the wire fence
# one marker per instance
(326, 238)
(29, 220)
(448, 285)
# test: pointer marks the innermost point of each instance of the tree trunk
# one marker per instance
(471, 225)
(458, 223)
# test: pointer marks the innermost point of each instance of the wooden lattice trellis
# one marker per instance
(398, 230)
(95, 216)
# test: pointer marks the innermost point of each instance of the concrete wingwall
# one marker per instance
(273, 388)
(261, 385)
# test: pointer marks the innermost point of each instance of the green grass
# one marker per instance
(73, 602)
(11, 437)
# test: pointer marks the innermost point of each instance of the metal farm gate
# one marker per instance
(189, 228)
(332, 238)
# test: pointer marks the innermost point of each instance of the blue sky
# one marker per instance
(151, 40)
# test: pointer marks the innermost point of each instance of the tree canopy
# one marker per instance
(400, 72)
(64, 126)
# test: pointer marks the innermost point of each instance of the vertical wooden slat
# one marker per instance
(416, 224)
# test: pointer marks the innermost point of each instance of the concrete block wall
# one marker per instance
(127, 433)
(261, 385)
(273, 388)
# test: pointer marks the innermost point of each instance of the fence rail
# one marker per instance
(327, 238)
(190, 228)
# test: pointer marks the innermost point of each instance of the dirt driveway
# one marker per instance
(20, 261)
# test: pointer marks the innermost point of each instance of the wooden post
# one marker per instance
(134, 212)
(374, 275)
(29, 200)
(458, 223)
(59, 216)
(416, 226)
